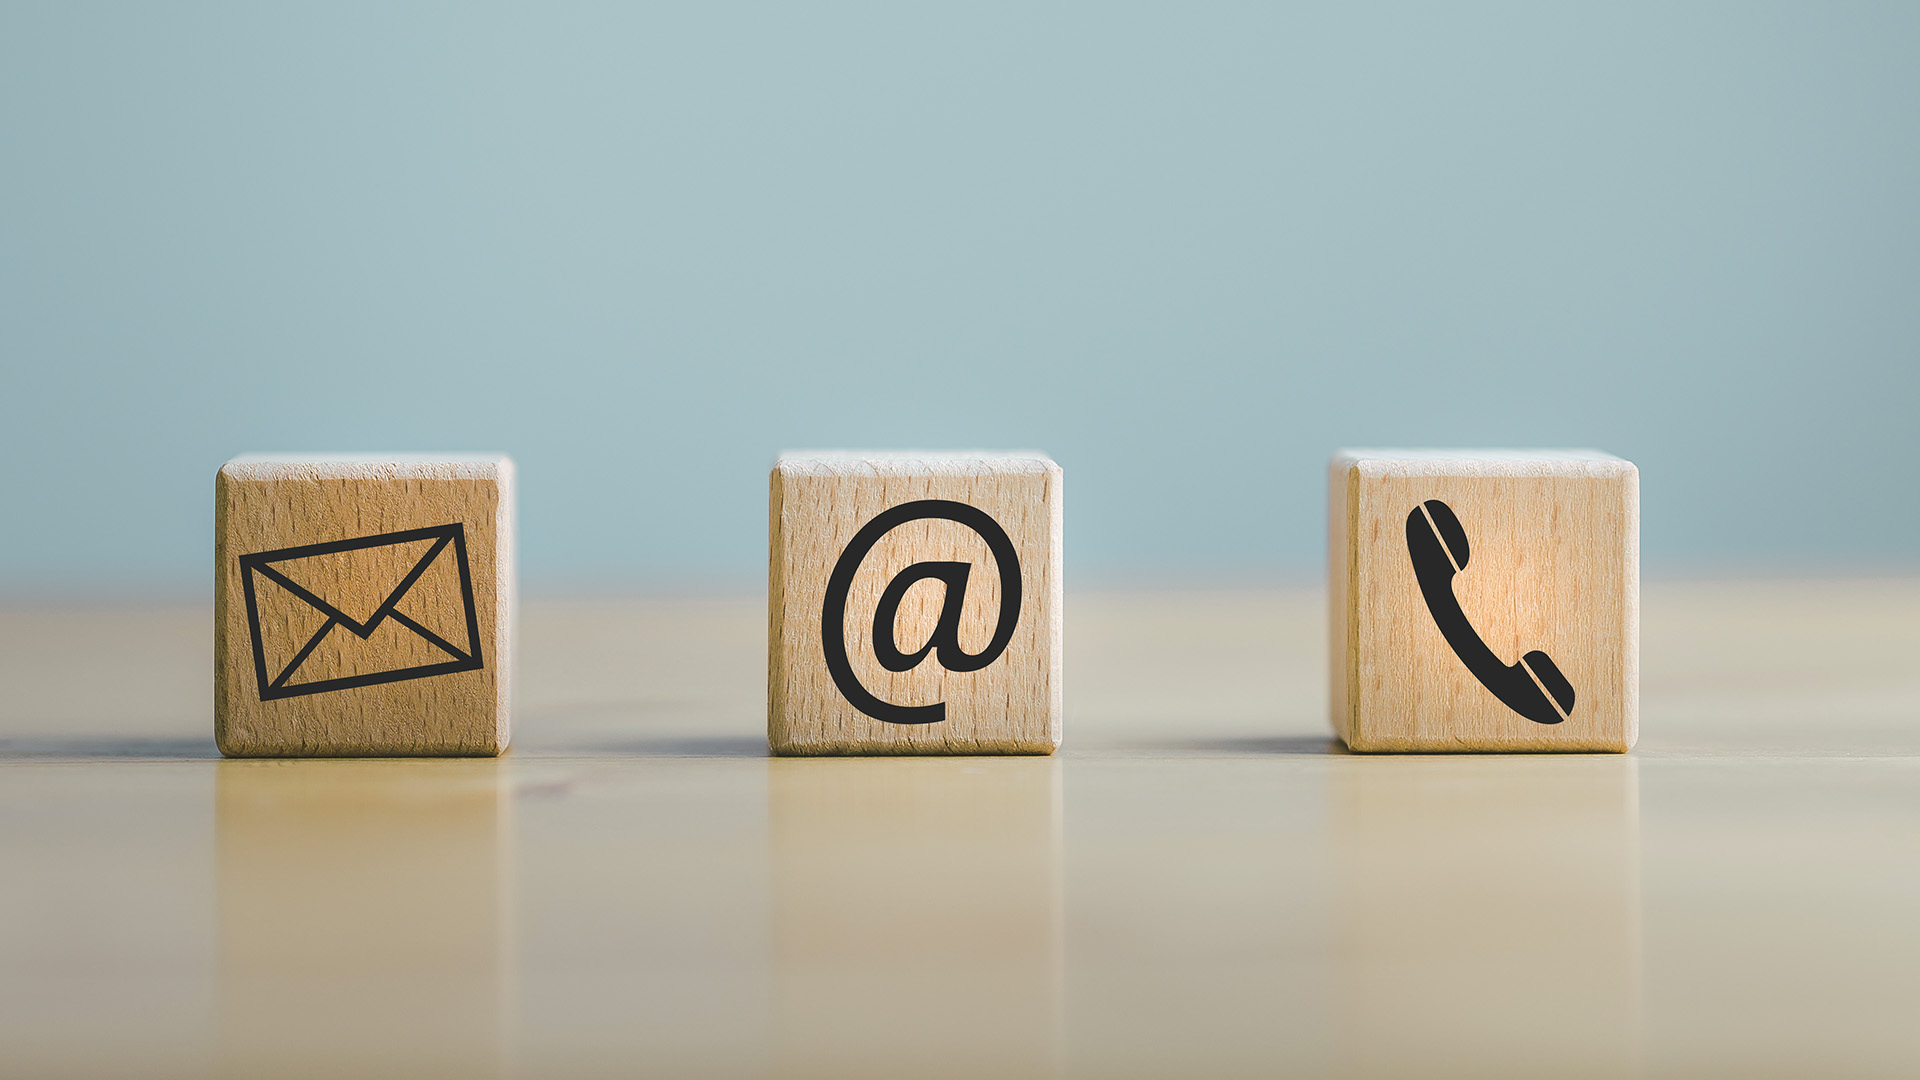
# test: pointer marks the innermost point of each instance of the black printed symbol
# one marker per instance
(944, 645)
(271, 566)
(1438, 546)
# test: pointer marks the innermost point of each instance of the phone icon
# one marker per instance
(1438, 546)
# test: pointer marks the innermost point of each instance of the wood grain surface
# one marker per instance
(271, 504)
(1553, 565)
(819, 504)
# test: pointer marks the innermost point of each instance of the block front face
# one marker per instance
(362, 606)
(1484, 601)
(914, 605)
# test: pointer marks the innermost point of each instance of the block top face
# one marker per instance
(1450, 462)
(367, 466)
(879, 463)
(363, 604)
(914, 603)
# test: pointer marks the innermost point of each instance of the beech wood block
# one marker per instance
(363, 605)
(913, 604)
(1484, 600)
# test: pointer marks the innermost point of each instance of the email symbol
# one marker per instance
(375, 609)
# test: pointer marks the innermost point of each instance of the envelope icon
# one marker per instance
(374, 609)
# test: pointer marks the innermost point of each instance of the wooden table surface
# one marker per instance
(1200, 884)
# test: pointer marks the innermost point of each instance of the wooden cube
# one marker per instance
(1484, 600)
(914, 604)
(363, 605)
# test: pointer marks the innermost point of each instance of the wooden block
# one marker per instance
(1484, 600)
(363, 605)
(913, 604)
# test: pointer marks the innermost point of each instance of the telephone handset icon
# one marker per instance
(1438, 546)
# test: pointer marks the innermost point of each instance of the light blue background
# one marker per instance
(1187, 249)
